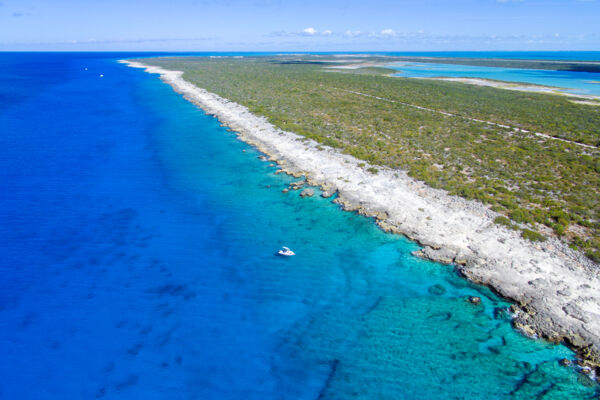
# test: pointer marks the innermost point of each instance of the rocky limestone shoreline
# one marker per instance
(555, 290)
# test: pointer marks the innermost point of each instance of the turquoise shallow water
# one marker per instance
(510, 55)
(587, 83)
(138, 263)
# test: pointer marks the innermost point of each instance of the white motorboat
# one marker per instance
(286, 252)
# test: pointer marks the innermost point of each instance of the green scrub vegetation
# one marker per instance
(543, 186)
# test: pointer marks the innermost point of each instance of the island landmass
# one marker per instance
(501, 184)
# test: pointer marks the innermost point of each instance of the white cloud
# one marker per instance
(352, 33)
(312, 32)
(308, 32)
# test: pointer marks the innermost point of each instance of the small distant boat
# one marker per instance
(285, 252)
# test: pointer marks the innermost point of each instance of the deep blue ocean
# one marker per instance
(137, 244)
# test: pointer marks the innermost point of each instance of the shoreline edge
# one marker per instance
(555, 290)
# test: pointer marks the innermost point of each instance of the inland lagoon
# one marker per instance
(574, 82)
(137, 246)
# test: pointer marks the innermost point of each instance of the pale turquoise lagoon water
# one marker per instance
(137, 262)
(586, 83)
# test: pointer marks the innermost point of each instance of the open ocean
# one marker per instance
(137, 262)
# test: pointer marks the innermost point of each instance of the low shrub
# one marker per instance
(533, 236)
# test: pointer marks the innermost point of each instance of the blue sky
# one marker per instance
(295, 25)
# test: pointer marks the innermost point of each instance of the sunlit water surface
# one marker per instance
(137, 243)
